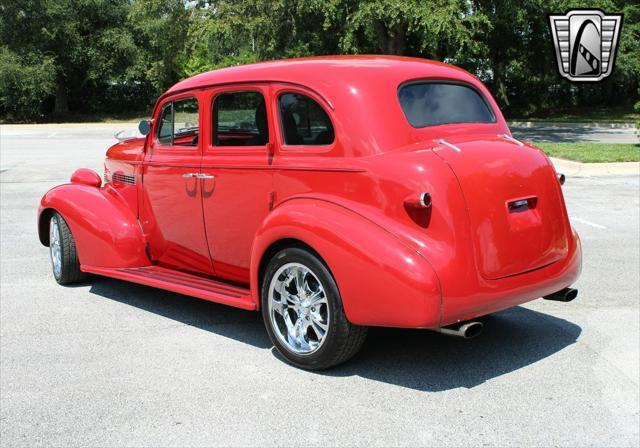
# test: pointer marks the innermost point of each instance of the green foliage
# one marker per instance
(119, 55)
(160, 29)
(87, 41)
(103, 55)
(438, 29)
(24, 84)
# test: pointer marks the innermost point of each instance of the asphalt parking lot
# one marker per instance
(109, 363)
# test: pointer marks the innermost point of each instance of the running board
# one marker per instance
(182, 283)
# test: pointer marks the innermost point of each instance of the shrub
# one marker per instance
(24, 85)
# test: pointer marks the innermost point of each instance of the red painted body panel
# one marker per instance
(85, 176)
(493, 173)
(236, 200)
(106, 231)
(171, 206)
(171, 212)
(471, 252)
(383, 281)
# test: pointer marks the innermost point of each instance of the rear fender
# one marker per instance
(382, 281)
(105, 229)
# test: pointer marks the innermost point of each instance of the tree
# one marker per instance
(24, 83)
(160, 29)
(87, 42)
(628, 61)
(229, 32)
(109, 55)
(440, 29)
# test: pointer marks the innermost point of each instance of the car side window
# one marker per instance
(165, 130)
(304, 121)
(179, 123)
(240, 119)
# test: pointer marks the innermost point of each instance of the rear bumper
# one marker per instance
(490, 296)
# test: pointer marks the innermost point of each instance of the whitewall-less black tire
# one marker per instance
(62, 249)
(303, 313)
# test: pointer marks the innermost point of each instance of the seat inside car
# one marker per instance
(262, 138)
(290, 129)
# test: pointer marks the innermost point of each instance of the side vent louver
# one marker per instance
(128, 179)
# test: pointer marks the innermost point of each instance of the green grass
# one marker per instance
(592, 152)
(606, 114)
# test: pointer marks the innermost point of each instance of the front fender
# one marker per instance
(105, 229)
(382, 281)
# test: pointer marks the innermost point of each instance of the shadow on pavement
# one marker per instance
(234, 323)
(416, 359)
(428, 361)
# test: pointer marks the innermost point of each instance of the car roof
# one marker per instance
(325, 73)
(362, 91)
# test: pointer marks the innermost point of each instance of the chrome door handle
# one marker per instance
(205, 176)
(188, 175)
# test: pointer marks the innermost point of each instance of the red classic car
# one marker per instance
(331, 194)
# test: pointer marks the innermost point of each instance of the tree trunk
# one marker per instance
(500, 88)
(391, 40)
(502, 92)
(61, 104)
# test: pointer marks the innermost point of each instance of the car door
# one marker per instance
(171, 213)
(238, 194)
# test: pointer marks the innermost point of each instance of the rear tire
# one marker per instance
(303, 313)
(62, 250)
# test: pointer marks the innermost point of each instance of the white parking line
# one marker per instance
(589, 223)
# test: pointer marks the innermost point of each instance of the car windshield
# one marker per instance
(432, 103)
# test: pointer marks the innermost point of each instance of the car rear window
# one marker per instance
(432, 103)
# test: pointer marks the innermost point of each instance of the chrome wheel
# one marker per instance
(298, 308)
(55, 248)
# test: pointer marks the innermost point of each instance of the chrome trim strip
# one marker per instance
(211, 166)
(511, 139)
(446, 143)
(425, 199)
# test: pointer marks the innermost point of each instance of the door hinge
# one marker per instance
(272, 199)
(270, 152)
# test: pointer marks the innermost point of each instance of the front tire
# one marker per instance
(303, 313)
(62, 250)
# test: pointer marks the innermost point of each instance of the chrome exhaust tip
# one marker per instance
(564, 295)
(466, 330)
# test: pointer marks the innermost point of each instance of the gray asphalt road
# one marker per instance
(109, 363)
(575, 132)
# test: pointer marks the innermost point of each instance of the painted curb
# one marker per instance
(577, 169)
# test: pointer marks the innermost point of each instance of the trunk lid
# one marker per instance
(516, 211)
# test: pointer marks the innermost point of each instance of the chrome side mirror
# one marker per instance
(144, 127)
